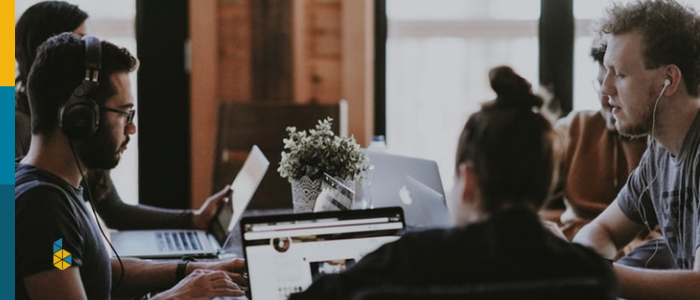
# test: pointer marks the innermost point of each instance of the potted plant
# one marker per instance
(310, 154)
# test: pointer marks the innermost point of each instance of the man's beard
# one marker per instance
(642, 125)
(100, 152)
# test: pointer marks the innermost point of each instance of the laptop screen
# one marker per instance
(286, 253)
(242, 190)
(412, 183)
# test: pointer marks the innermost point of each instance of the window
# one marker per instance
(438, 56)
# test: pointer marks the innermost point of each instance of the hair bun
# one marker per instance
(512, 90)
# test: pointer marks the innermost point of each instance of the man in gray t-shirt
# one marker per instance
(652, 80)
(668, 188)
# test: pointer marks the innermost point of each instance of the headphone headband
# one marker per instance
(79, 117)
(93, 58)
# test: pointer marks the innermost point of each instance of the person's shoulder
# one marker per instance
(581, 123)
(413, 243)
(43, 204)
(433, 235)
(41, 196)
(33, 185)
(580, 118)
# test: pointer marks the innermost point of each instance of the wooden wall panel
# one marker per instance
(324, 86)
(271, 50)
(277, 51)
(203, 95)
(318, 54)
(323, 31)
(234, 51)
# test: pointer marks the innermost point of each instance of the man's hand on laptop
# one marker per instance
(203, 284)
(202, 217)
(234, 268)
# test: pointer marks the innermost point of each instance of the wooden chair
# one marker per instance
(241, 125)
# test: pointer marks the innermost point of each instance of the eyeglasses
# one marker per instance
(128, 113)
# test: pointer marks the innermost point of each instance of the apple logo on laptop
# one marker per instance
(405, 196)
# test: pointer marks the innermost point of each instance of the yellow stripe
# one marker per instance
(7, 43)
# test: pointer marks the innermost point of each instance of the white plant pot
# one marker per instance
(304, 193)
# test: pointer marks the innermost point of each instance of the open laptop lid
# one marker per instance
(285, 253)
(241, 192)
(431, 209)
(412, 183)
(173, 243)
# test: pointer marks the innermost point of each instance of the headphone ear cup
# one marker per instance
(79, 117)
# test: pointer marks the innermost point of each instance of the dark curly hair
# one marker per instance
(670, 32)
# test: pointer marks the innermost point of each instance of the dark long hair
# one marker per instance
(510, 144)
(38, 23)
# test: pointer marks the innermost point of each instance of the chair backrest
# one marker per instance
(241, 125)
(580, 288)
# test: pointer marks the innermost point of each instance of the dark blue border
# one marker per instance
(7, 220)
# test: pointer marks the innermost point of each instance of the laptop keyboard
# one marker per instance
(178, 241)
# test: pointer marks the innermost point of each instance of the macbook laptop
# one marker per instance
(173, 243)
(411, 183)
(286, 253)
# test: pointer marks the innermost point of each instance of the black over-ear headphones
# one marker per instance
(79, 117)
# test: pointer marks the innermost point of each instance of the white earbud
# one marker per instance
(667, 82)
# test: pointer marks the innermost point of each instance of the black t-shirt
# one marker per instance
(47, 209)
(508, 247)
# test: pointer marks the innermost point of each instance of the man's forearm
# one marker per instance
(645, 284)
(142, 276)
(598, 239)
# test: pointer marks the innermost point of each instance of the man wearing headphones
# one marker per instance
(39, 22)
(652, 81)
(82, 113)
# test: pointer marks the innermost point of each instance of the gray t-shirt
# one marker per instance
(669, 188)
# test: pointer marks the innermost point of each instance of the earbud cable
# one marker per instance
(640, 207)
(94, 212)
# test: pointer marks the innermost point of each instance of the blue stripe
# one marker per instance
(7, 130)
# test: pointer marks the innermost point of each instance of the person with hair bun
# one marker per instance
(505, 167)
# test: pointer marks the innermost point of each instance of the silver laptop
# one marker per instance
(173, 243)
(411, 183)
(286, 253)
